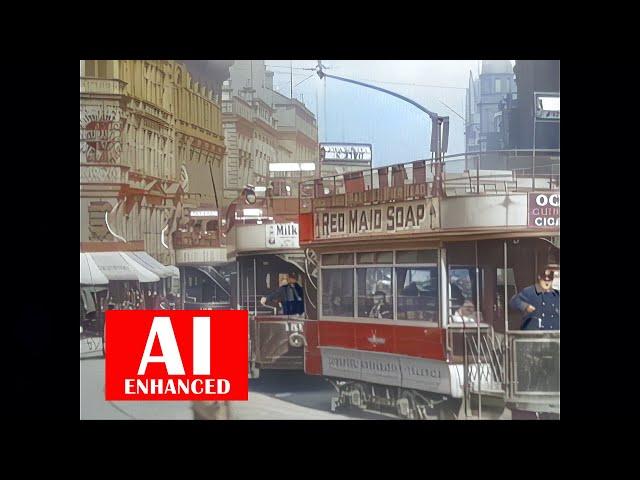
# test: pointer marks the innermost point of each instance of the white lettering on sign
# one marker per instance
(162, 329)
(200, 255)
(282, 235)
(398, 217)
(387, 369)
(544, 210)
(100, 174)
(345, 153)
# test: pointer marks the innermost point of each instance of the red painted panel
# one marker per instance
(312, 357)
(312, 363)
(377, 338)
(311, 334)
(415, 341)
(337, 334)
(420, 342)
(306, 227)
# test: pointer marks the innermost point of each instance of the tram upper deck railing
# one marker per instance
(478, 173)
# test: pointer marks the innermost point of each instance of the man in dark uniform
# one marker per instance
(539, 304)
(289, 295)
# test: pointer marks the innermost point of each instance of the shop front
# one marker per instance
(116, 276)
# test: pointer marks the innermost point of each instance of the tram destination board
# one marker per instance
(405, 217)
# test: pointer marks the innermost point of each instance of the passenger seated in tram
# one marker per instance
(465, 314)
(380, 309)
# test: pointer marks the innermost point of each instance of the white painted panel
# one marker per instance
(484, 211)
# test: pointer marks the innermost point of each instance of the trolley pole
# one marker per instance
(439, 126)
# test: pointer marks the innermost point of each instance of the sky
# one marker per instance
(398, 131)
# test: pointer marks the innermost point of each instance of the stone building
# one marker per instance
(151, 148)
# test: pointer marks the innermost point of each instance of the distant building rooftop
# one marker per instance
(497, 66)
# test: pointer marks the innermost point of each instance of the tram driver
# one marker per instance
(291, 296)
(539, 303)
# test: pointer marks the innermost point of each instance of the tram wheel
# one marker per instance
(448, 410)
(358, 397)
(406, 405)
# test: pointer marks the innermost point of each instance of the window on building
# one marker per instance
(90, 68)
(102, 68)
(498, 85)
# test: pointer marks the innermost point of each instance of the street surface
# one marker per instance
(274, 396)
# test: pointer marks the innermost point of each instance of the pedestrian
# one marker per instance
(289, 295)
(539, 304)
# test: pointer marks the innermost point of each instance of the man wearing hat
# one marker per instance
(539, 304)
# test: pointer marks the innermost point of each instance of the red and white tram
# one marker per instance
(414, 282)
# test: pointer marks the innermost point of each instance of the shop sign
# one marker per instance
(544, 210)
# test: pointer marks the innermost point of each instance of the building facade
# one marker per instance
(263, 127)
(518, 111)
(151, 147)
(484, 96)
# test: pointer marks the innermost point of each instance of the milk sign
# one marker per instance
(282, 235)
(544, 210)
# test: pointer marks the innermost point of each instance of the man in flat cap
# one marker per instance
(539, 304)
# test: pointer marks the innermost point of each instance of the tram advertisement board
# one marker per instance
(386, 369)
(405, 217)
(544, 210)
(176, 355)
(282, 235)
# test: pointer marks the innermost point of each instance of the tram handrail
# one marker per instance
(498, 172)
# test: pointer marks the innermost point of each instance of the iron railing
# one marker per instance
(495, 172)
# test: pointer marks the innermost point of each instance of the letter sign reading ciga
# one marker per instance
(544, 210)
(176, 355)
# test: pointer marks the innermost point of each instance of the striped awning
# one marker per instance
(118, 266)
(150, 263)
(90, 274)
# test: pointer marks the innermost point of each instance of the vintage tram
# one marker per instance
(262, 240)
(414, 273)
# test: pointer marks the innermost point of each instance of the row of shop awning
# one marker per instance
(99, 268)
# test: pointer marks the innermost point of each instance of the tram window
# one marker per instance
(375, 296)
(337, 259)
(417, 256)
(417, 293)
(337, 292)
(375, 257)
(462, 282)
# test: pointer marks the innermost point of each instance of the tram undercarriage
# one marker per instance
(401, 402)
(412, 404)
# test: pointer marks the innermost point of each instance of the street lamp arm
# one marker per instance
(434, 116)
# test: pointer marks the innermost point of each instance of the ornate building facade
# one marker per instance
(263, 127)
(151, 148)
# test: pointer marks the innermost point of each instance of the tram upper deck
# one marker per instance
(483, 194)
